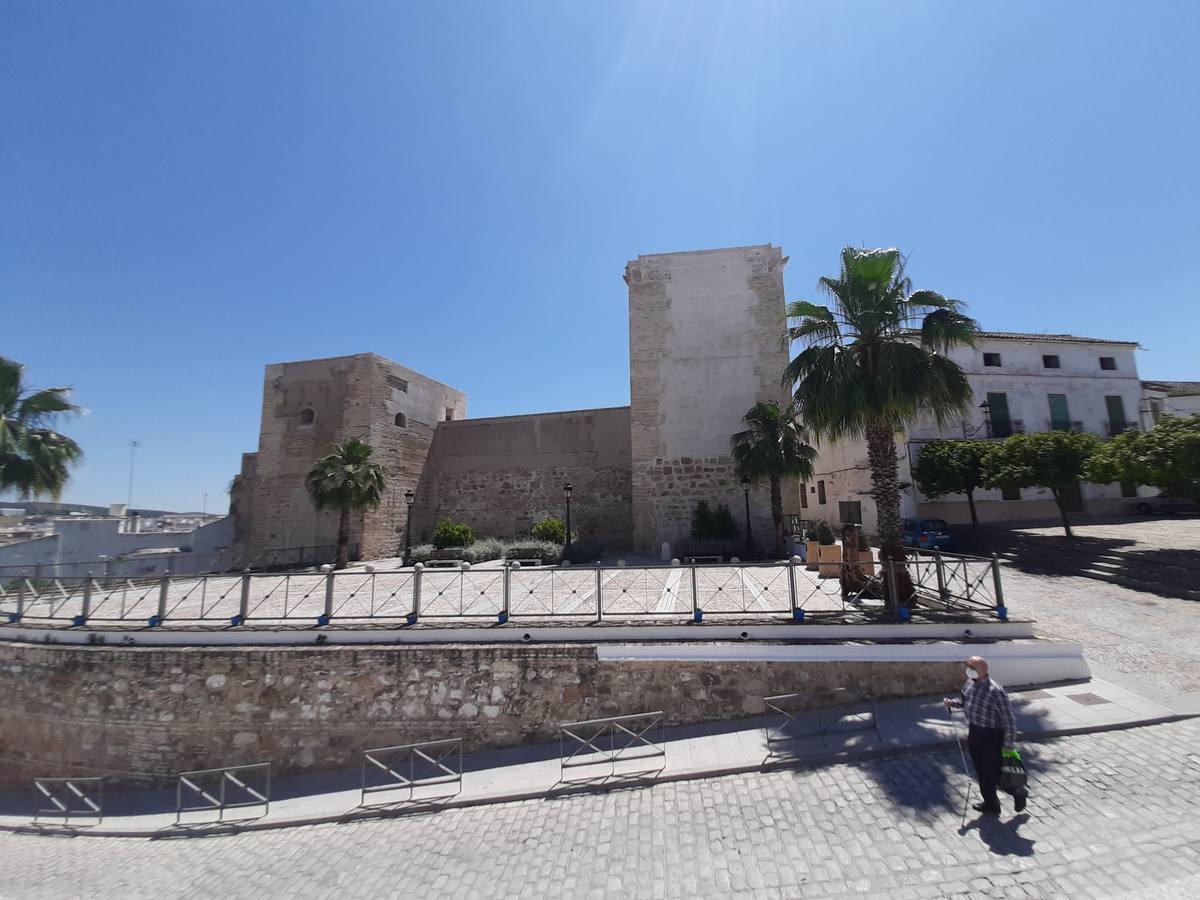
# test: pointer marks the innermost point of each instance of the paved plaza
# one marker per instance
(1112, 814)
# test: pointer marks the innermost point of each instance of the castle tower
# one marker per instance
(704, 346)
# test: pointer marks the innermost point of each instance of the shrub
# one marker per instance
(710, 524)
(824, 533)
(484, 550)
(550, 529)
(423, 553)
(452, 534)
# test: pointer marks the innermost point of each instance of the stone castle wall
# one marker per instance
(502, 475)
(153, 712)
(704, 346)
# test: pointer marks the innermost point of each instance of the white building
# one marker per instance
(1021, 383)
(1174, 398)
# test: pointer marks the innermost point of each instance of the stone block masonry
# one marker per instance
(94, 710)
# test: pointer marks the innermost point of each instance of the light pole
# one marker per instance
(749, 533)
(567, 495)
(408, 498)
(133, 445)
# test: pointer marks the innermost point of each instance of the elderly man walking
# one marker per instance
(992, 730)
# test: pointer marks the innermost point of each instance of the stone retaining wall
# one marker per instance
(87, 710)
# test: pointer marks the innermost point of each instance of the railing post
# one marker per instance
(505, 588)
(893, 588)
(416, 610)
(697, 612)
(108, 567)
(941, 575)
(797, 613)
(164, 588)
(1001, 609)
(599, 599)
(86, 609)
(328, 613)
(37, 572)
(20, 598)
(244, 600)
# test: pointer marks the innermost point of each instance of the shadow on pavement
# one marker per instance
(1002, 837)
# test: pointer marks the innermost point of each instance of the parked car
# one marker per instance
(928, 534)
(1164, 505)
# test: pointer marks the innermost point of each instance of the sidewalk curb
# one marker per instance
(555, 792)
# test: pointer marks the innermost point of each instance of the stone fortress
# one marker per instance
(704, 346)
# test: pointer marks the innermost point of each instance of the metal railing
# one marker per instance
(835, 712)
(213, 787)
(67, 797)
(149, 565)
(411, 766)
(598, 744)
(929, 584)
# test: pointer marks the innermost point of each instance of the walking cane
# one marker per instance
(966, 771)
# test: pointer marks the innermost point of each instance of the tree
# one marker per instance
(873, 363)
(347, 481)
(952, 467)
(773, 447)
(34, 459)
(1057, 460)
(1167, 457)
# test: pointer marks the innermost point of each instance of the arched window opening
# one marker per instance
(307, 416)
(401, 420)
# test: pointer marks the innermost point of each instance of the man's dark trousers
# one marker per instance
(985, 745)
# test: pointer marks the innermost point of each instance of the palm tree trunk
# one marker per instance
(971, 503)
(885, 490)
(343, 539)
(777, 517)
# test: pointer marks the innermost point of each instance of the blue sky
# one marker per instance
(191, 190)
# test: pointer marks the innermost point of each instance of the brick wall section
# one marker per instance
(500, 475)
(83, 710)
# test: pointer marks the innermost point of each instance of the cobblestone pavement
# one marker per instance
(1152, 637)
(1111, 814)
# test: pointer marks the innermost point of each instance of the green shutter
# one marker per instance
(1060, 416)
(1116, 415)
(998, 414)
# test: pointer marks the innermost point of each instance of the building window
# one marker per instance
(1050, 361)
(1010, 493)
(998, 415)
(307, 416)
(991, 359)
(821, 492)
(1108, 363)
(401, 420)
(1117, 422)
(398, 383)
(449, 414)
(1060, 416)
(804, 496)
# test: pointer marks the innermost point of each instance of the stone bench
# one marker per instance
(443, 563)
(536, 561)
(704, 559)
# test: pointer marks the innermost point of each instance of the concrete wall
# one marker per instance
(86, 710)
(500, 475)
(350, 396)
(1026, 383)
(80, 540)
(704, 346)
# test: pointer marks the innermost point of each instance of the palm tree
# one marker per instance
(874, 362)
(34, 459)
(345, 480)
(773, 447)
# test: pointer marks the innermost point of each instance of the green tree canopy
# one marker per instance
(34, 458)
(874, 362)
(1056, 460)
(952, 467)
(773, 447)
(345, 480)
(1167, 457)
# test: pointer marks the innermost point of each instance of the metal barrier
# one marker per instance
(409, 766)
(931, 585)
(211, 786)
(608, 742)
(69, 797)
(782, 714)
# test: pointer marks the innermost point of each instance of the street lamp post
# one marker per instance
(408, 499)
(567, 495)
(749, 533)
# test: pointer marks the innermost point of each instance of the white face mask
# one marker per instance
(972, 674)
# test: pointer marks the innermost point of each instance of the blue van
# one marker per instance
(928, 534)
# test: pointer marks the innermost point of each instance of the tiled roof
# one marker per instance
(1029, 336)
(1174, 388)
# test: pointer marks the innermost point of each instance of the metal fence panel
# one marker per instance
(67, 797)
(600, 745)
(410, 766)
(217, 790)
(791, 717)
